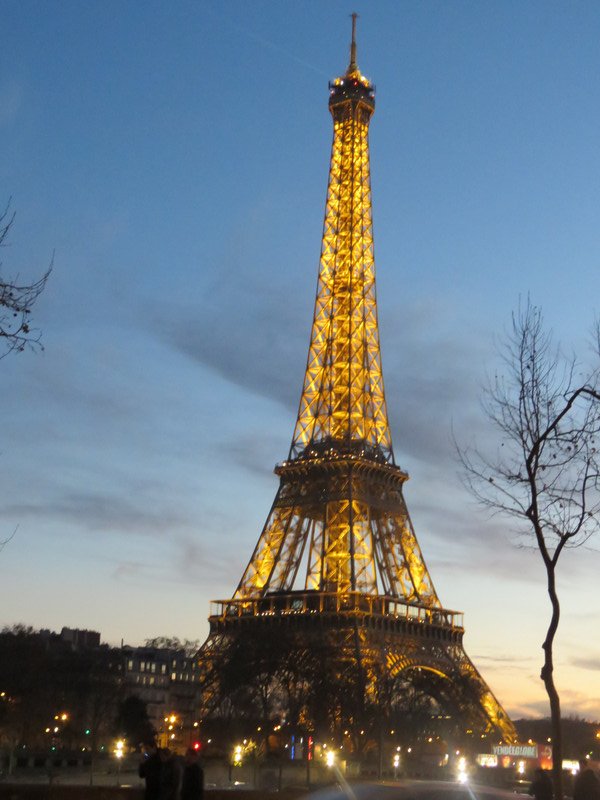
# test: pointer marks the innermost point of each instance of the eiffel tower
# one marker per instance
(338, 560)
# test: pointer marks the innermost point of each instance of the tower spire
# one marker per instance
(353, 66)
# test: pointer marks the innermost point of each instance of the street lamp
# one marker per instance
(168, 731)
(119, 746)
(236, 760)
(462, 770)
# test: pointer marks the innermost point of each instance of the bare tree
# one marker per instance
(189, 646)
(545, 473)
(16, 301)
(4, 542)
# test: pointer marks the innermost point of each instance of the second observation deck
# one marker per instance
(374, 611)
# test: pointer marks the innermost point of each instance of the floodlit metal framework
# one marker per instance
(338, 555)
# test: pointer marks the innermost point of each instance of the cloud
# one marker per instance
(177, 559)
(192, 560)
(128, 569)
(530, 709)
(592, 664)
(576, 703)
(250, 352)
(258, 453)
(255, 335)
(505, 662)
(573, 704)
(98, 512)
(433, 382)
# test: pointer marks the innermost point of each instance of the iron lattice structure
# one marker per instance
(338, 560)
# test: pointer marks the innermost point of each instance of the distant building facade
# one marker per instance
(80, 639)
(167, 680)
(71, 639)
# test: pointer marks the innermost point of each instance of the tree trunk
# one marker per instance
(547, 675)
(93, 757)
(380, 747)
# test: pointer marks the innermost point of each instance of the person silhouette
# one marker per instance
(192, 786)
(541, 785)
(150, 770)
(586, 785)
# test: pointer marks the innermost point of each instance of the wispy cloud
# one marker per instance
(98, 513)
(256, 336)
(125, 570)
(582, 662)
(247, 349)
(575, 702)
(503, 662)
(257, 454)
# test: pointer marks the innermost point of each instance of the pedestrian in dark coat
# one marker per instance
(541, 785)
(170, 775)
(586, 785)
(149, 770)
(192, 787)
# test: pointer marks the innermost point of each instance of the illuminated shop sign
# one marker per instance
(486, 760)
(517, 750)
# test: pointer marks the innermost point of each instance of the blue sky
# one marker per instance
(174, 157)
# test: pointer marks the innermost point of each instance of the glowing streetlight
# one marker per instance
(330, 758)
(237, 755)
(119, 752)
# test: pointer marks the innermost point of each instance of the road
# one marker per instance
(412, 790)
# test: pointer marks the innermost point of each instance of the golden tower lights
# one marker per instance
(338, 549)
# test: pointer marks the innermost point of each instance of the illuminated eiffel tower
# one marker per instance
(338, 561)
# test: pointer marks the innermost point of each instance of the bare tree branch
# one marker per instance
(545, 472)
(17, 300)
(10, 538)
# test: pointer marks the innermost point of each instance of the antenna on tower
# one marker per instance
(353, 66)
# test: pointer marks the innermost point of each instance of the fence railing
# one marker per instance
(325, 603)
